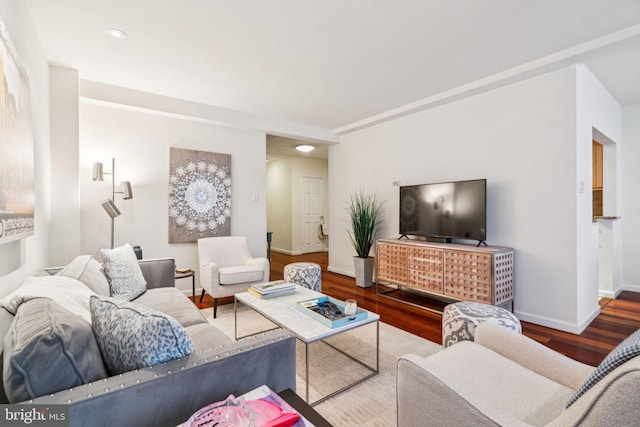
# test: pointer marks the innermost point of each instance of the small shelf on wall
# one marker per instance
(605, 218)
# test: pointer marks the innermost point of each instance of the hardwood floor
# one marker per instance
(618, 319)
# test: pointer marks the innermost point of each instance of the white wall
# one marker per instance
(279, 204)
(65, 193)
(140, 141)
(522, 138)
(631, 198)
(598, 116)
(20, 258)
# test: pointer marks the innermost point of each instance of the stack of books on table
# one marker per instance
(272, 289)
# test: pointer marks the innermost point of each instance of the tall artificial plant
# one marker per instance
(365, 212)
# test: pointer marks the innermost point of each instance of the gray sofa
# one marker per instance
(168, 393)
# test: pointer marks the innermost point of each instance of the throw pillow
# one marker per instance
(88, 270)
(67, 292)
(132, 336)
(48, 349)
(626, 350)
(125, 276)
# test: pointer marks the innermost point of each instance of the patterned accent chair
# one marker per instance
(305, 274)
(227, 267)
(459, 320)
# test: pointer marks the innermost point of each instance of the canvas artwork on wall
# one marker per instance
(199, 195)
(17, 196)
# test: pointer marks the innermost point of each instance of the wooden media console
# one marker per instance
(447, 271)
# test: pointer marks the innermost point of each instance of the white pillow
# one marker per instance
(89, 271)
(123, 271)
(67, 292)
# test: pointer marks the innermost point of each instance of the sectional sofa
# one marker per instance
(57, 361)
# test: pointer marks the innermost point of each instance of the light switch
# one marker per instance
(254, 197)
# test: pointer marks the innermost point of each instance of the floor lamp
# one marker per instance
(109, 204)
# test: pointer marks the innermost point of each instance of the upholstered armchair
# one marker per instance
(227, 267)
(507, 379)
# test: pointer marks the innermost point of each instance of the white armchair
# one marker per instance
(227, 267)
(507, 379)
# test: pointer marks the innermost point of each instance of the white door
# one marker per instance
(312, 209)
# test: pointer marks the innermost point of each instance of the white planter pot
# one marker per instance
(364, 271)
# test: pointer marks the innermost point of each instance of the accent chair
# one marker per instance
(504, 378)
(227, 267)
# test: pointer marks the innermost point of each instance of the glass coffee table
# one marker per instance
(282, 311)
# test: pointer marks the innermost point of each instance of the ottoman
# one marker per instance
(459, 320)
(305, 274)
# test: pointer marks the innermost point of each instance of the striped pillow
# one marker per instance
(626, 350)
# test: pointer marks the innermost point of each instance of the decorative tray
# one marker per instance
(329, 311)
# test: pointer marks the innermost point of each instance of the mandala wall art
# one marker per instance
(199, 195)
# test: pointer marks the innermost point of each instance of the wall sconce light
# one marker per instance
(109, 205)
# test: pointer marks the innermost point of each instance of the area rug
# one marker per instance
(370, 403)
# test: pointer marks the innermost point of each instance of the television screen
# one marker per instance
(448, 209)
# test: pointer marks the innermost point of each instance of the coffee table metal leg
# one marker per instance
(307, 369)
(374, 371)
(236, 304)
(235, 317)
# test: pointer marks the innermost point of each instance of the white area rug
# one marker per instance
(371, 403)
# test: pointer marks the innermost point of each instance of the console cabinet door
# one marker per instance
(468, 276)
(392, 263)
(425, 268)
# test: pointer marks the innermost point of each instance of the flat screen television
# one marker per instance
(445, 211)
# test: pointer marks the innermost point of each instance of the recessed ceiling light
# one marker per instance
(305, 148)
(116, 33)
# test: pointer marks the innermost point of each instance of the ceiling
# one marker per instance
(334, 63)
(279, 147)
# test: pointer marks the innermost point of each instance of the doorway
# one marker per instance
(604, 211)
(312, 213)
(297, 196)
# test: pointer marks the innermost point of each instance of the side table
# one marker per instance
(191, 274)
(269, 238)
(304, 408)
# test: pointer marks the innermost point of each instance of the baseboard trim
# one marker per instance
(340, 271)
(286, 251)
(614, 294)
(188, 292)
(632, 288)
(608, 294)
(572, 328)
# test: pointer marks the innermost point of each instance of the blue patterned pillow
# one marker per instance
(125, 276)
(626, 350)
(132, 336)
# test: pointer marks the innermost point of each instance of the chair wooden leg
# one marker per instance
(215, 307)
(202, 295)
